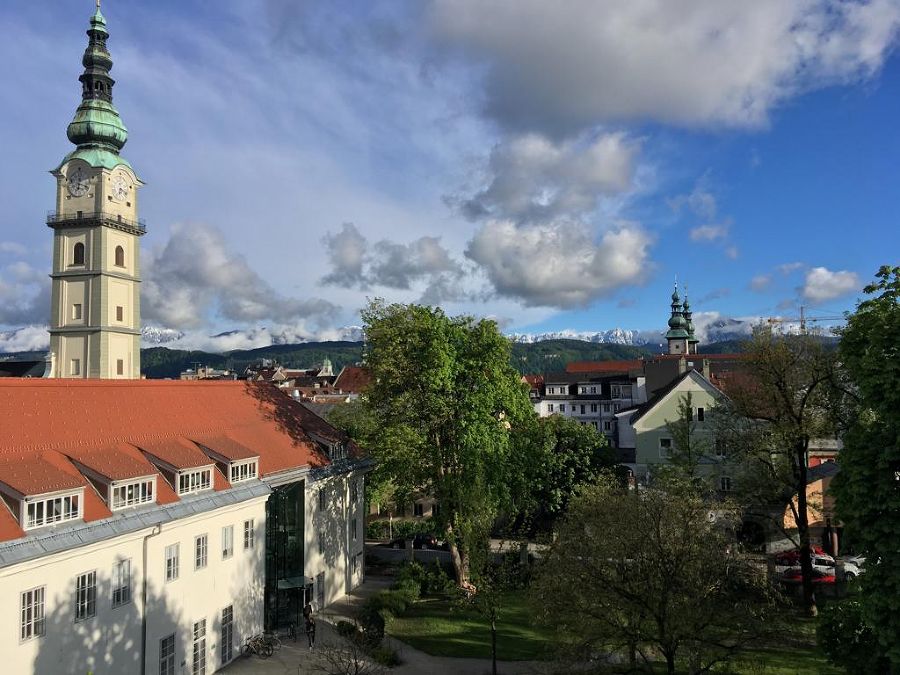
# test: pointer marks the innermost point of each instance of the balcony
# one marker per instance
(87, 219)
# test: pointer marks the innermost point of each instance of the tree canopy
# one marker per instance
(868, 486)
(451, 416)
(650, 572)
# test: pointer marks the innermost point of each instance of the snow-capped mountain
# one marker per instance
(615, 336)
(154, 335)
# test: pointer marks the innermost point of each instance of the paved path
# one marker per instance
(295, 658)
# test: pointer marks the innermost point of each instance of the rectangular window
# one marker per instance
(721, 449)
(76, 311)
(582, 410)
(226, 648)
(593, 407)
(75, 367)
(121, 583)
(321, 543)
(353, 529)
(606, 407)
(249, 534)
(227, 542)
(85, 595)
(549, 407)
(243, 471)
(167, 655)
(201, 544)
(172, 562)
(194, 481)
(551, 390)
(132, 494)
(593, 390)
(418, 510)
(615, 392)
(725, 483)
(626, 391)
(583, 390)
(322, 499)
(31, 620)
(199, 660)
(120, 367)
(54, 510)
(120, 313)
(665, 447)
(607, 426)
(354, 490)
(562, 408)
(701, 414)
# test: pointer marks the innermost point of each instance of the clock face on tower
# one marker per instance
(78, 182)
(119, 187)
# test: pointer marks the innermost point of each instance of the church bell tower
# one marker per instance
(95, 318)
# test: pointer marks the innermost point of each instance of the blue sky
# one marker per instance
(552, 165)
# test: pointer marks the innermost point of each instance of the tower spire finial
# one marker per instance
(98, 4)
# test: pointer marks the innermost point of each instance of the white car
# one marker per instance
(825, 563)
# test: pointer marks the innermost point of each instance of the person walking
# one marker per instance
(311, 630)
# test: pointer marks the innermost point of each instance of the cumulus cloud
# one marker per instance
(562, 67)
(24, 295)
(195, 275)
(357, 264)
(823, 284)
(25, 339)
(532, 178)
(558, 265)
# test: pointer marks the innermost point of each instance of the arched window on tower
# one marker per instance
(78, 254)
(120, 256)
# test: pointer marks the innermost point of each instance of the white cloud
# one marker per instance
(558, 265)
(788, 268)
(709, 232)
(732, 252)
(346, 251)
(195, 276)
(823, 284)
(25, 339)
(12, 247)
(563, 67)
(533, 178)
(760, 282)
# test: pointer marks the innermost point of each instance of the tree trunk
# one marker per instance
(670, 662)
(460, 560)
(494, 646)
(809, 598)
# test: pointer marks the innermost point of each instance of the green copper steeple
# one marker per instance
(677, 323)
(688, 321)
(97, 129)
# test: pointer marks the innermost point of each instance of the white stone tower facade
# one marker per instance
(95, 318)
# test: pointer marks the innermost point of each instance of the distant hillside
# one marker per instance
(552, 355)
(160, 362)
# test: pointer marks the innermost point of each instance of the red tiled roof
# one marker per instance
(353, 379)
(533, 380)
(102, 424)
(604, 366)
(9, 526)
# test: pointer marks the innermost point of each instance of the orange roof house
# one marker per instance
(62, 435)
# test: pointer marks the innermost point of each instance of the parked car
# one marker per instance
(791, 558)
(795, 576)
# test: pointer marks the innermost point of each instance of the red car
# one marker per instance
(791, 558)
(794, 576)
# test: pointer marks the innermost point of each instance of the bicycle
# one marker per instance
(272, 640)
(291, 632)
(257, 644)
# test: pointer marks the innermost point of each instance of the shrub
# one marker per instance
(409, 590)
(371, 620)
(848, 641)
(437, 581)
(411, 572)
(346, 629)
(386, 656)
(392, 602)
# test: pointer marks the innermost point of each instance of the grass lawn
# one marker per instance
(794, 652)
(439, 628)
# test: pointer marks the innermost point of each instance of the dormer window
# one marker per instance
(243, 470)
(42, 511)
(338, 450)
(194, 480)
(132, 493)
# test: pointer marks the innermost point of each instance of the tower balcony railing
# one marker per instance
(55, 219)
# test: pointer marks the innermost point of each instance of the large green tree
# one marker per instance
(567, 455)
(453, 418)
(650, 572)
(868, 486)
(784, 398)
